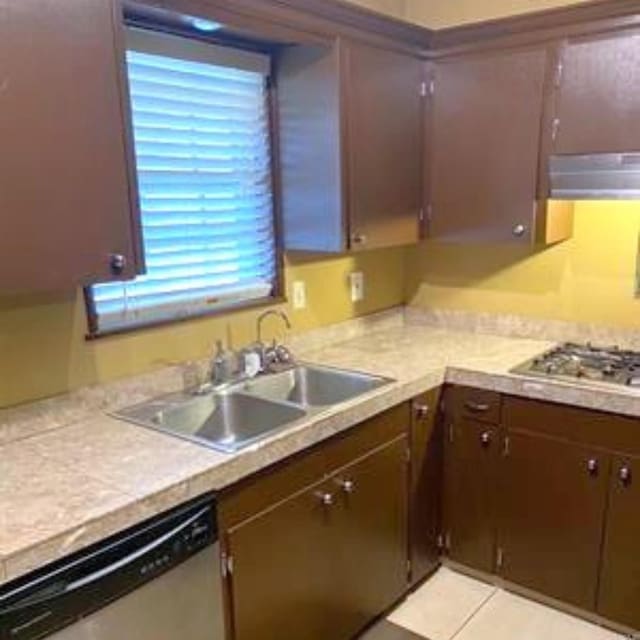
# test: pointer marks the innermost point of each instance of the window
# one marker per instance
(203, 154)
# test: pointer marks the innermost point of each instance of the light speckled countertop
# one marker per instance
(65, 488)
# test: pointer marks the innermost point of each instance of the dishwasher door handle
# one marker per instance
(75, 585)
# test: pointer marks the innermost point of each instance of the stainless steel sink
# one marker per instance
(313, 386)
(226, 421)
(250, 411)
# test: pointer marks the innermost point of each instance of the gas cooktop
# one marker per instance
(586, 363)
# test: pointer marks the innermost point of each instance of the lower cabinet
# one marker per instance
(547, 497)
(323, 561)
(553, 498)
(425, 488)
(281, 573)
(369, 562)
(471, 460)
(619, 596)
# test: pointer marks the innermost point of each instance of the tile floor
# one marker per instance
(453, 606)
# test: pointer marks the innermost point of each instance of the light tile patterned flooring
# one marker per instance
(453, 606)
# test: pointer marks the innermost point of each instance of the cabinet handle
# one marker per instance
(626, 476)
(358, 238)
(519, 230)
(485, 439)
(477, 407)
(593, 466)
(117, 263)
(422, 411)
(348, 486)
(326, 498)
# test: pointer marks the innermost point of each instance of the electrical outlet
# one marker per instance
(299, 295)
(357, 286)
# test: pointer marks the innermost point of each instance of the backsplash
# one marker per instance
(43, 351)
(18, 423)
(589, 280)
(518, 326)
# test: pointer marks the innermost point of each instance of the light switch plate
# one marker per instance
(357, 286)
(299, 295)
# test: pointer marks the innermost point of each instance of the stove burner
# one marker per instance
(587, 362)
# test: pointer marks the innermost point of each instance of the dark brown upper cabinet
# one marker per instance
(68, 213)
(489, 127)
(598, 96)
(351, 123)
(384, 126)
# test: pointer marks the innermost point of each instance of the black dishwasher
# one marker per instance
(158, 581)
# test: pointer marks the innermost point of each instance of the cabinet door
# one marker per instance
(599, 98)
(486, 133)
(384, 130)
(371, 537)
(619, 598)
(552, 505)
(64, 182)
(282, 566)
(425, 491)
(471, 458)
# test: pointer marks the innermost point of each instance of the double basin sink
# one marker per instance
(247, 412)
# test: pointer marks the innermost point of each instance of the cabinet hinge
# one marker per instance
(506, 446)
(226, 565)
(499, 558)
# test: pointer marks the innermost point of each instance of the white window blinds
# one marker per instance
(202, 141)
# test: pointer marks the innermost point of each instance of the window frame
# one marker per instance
(279, 289)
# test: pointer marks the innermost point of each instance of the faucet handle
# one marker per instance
(284, 355)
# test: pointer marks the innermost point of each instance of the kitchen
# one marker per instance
(330, 327)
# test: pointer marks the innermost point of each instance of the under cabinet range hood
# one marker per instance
(602, 176)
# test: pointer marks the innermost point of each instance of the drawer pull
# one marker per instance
(348, 486)
(422, 411)
(477, 407)
(485, 439)
(326, 498)
(593, 466)
(626, 476)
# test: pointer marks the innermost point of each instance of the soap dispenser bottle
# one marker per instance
(222, 369)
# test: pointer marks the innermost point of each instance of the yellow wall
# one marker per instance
(43, 351)
(590, 278)
(445, 13)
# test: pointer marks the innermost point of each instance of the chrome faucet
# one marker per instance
(263, 316)
(276, 356)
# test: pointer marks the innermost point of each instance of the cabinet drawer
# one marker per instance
(476, 404)
(280, 481)
(590, 428)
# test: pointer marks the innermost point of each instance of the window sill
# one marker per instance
(235, 308)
